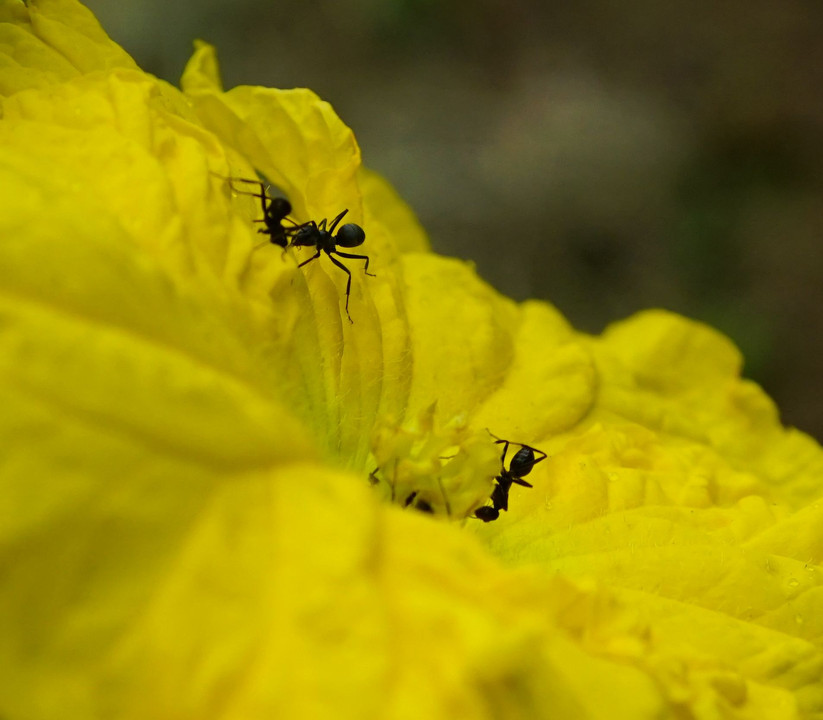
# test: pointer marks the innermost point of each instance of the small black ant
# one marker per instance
(412, 499)
(519, 466)
(312, 234)
(422, 505)
(275, 211)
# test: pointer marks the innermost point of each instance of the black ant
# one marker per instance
(422, 505)
(275, 211)
(412, 499)
(520, 466)
(312, 234)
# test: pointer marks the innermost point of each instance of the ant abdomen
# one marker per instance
(522, 462)
(350, 235)
(279, 207)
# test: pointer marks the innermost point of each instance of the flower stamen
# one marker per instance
(443, 468)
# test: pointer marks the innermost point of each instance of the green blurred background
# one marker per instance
(605, 156)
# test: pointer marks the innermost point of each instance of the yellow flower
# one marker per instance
(189, 425)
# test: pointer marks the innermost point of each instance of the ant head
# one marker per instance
(279, 207)
(350, 235)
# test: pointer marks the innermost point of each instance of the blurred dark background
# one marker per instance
(605, 156)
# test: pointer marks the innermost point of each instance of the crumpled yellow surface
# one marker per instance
(186, 524)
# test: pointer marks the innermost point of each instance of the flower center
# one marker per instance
(442, 468)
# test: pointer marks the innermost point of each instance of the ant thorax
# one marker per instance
(312, 236)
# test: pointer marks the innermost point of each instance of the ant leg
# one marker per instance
(259, 245)
(350, 256)
(313, 257)
(336, 220)
(540, 458)
(543, 455)
(230, 180)
(498, 440)
(262, 194)
(248, 181)
(521, 481)
(348, 284)
(263, 197)
(257, 195)
(245, 180)
(296, 226)
(505, 450)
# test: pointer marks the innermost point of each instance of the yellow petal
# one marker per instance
(173, 545)
(682, 377)
(49, 41)
(462, 334)
(291, 136)
(202, 72)
(550, 385)
(666, 499)
(98, 292)
(298, 142)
